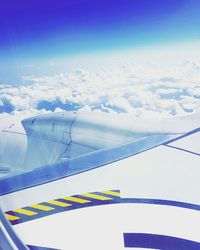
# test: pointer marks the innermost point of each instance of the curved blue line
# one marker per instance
(182, 149)
(156, 241)
(100, 203)
(196, 130)
(162, 202)
(41, 248)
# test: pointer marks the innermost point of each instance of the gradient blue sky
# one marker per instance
(41, 29)
(46, 37)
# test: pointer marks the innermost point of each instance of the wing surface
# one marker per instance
(129, 195)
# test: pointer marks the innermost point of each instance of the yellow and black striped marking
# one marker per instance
(43, 209)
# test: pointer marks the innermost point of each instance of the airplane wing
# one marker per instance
(87, 182)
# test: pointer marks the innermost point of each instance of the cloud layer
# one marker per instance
(144, 89)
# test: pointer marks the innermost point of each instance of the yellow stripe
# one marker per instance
(96, 197)
(24, 211)
(42, 207)
(75, 199)
(59, 203)
(114, 193)
(12, 217)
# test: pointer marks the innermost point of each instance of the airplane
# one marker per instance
(91, 180)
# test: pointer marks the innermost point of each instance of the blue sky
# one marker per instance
(132, 43)
(46, 29)
(35, 32)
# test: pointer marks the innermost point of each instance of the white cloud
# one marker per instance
(141, 87)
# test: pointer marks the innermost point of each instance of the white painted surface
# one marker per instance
(160, 173)
(102, 227)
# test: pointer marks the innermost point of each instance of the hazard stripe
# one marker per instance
(96, 197)
(42, 207)
(55, 206)
(24, 211)
(12, 217)
(59, 203)
(23, 214)
(114, 193)
(75, 199)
